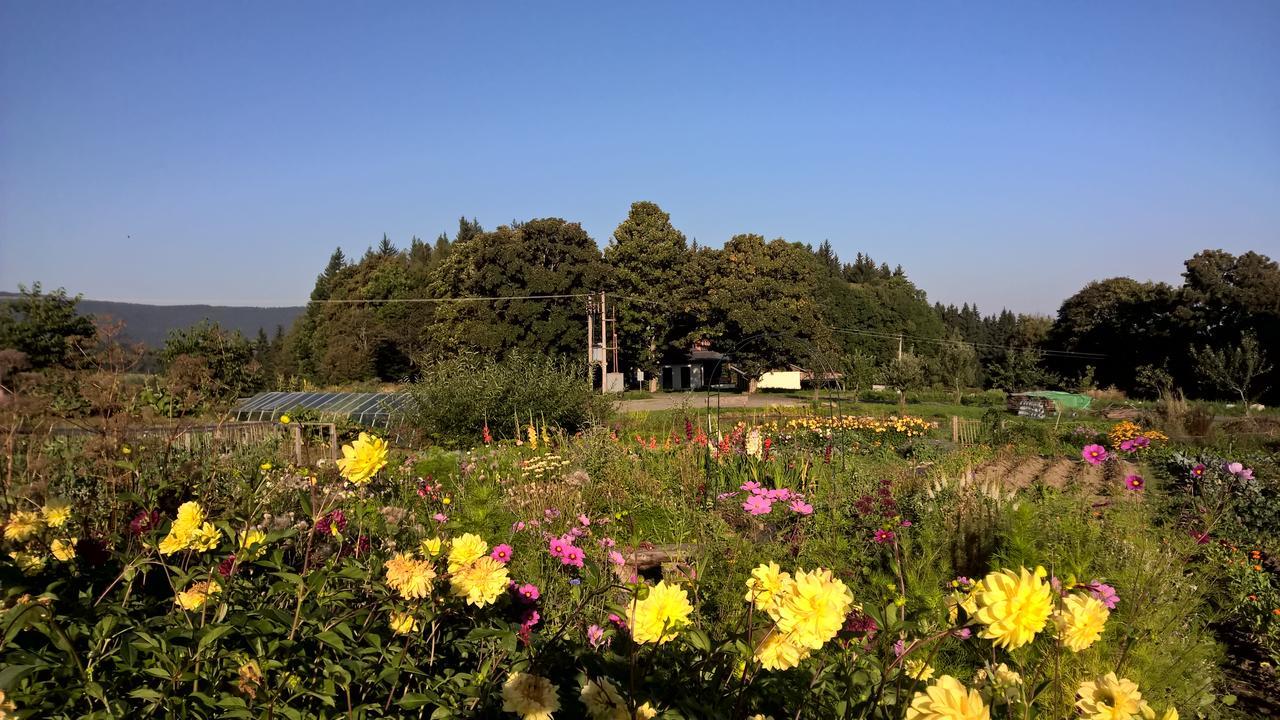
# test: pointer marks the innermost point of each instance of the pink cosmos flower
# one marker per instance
(571, 556)
(779, 494)
(616, 558)
(1198, 470)
(1134, 482)
(1246, 474)
(519, 526)
(617, 620)
(882, 536)
(758, 505)
(1141, 441)
(751, 486)
(440, 517)
(1104, 593)
(801, 507)
(607, 543)
(556, 547)
(1127, 446)
(1234, 468)
(1094, 454)
(528, 592)
(963, 633)
(502, 553)
(584, 520)
(531, 617)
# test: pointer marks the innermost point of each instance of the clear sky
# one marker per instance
(1002, 153)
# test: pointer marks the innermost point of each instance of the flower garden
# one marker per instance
(813, 567)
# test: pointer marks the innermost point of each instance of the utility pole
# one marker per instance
(591, 361)
(604, 344)
(899, 346)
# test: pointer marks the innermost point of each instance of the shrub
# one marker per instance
(458, 397)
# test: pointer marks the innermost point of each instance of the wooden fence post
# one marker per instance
(955, 429)
(297, 444)
(333, 441)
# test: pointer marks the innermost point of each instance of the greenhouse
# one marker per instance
(368, 409)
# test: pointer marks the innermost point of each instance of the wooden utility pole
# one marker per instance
(604, 344)
(591, 343)
(899, 346)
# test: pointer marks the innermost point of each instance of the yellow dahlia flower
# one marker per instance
(529, 696)
(362, 459)
(22, 525)
(660, 615)
(766, 584)
(777, 652)
(56, 513)
(812, 609)
(252, 545)
(403, 623)
(481, 582)
(190, 517)
(947, 699)
(1014, 607)
(918, 670)
(431, 546)
(205, 538)
(195, 597)
(603, 701)
(646, 712)
(1109, 698)
(1080, 621)
(63, 550)
(410, 576)
(6, 706)
(1001, 679)
(466, 549)
(28, 563)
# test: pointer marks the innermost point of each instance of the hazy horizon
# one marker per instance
(216, 154)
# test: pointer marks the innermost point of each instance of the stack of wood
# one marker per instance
(668, 560)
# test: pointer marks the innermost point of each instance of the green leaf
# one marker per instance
(210, 637)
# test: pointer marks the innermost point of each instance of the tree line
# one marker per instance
(769, 304)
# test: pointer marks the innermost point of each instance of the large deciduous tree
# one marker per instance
(42, 326)
(535, 258)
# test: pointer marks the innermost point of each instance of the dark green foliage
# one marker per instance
(540, 257)
(42, 326)
(221, 362)
(457, 396)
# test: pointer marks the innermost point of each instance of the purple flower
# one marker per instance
(963, 633)
(1104, 593)
(595, 636)
(758, 505)
(1198, 470)
(1127, 446)
(1141, 441)
(334, 522)
(882, 536)
(1094, 454)
(899, 648)
(144, 522)
(1134, 483)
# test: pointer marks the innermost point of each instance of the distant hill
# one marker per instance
(150, 324)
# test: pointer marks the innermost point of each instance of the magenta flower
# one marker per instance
(595, 636)
(518, 526)
(1198, 470)
(963, 633)
(1094, 454)
(531, 617)
(751, 486)
(584, 520)
(557, 547)
(1104, 593)
(1246, 474)
(800, 507)
(1127, 446)
(502, 553)
(440, 517)
(758, 505)
(616, 558)
(1134, 482)
(779, 494)
(607, 543)
(1141, 441)
(899, 648)
(1201, 538)
(144, 522)
(572, 556)
(528, 592)
(882, 536)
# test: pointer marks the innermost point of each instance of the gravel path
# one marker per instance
(671, 401)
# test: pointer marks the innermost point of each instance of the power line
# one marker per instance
(502, 298)
(992, 346)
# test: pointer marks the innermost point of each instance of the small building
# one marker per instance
(1045, 403)
(699, 369)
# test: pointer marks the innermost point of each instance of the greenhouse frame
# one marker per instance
(368, 409)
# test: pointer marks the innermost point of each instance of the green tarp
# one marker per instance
(1063, 400)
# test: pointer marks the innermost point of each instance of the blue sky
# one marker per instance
(1002, 153)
